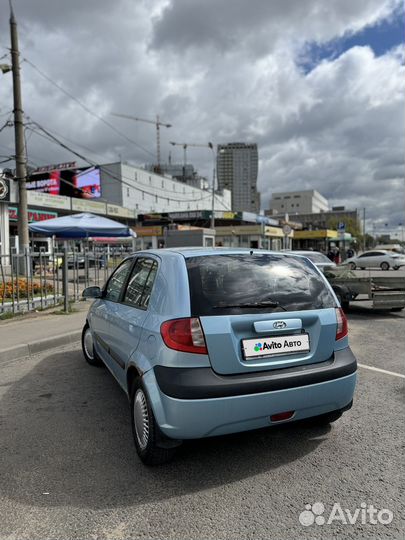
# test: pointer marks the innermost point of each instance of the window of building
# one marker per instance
(163, 183)
(143, 195)
(127, 191)
(156, 198)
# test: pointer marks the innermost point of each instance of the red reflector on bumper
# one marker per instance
(282, 416)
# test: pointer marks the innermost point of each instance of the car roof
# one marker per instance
(304, 252)
(204, 251)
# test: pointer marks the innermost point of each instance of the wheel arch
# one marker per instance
(133, 374)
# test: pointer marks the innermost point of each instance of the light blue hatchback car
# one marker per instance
(207, 342)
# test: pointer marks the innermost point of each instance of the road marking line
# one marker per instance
(382, 371)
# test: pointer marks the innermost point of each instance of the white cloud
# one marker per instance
(222, 74)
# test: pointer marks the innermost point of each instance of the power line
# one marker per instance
(48, 136)
(85, 108)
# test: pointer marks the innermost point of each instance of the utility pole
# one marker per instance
(364, 229)
(211, 146)
(20, 157)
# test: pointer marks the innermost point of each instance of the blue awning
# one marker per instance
(81, 226)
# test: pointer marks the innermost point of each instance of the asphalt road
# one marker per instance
(69, 470)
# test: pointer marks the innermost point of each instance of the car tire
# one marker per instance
(396, 267)
(352, 266)
(89, 351)
(148, 439)
(362, 268)
(384, 266)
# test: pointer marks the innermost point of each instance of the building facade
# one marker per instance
(327, 220)
(144, 191)
(298, 202)
(237, 168)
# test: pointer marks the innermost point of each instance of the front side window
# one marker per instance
(237, 284)
(117, 280)
(140, 283)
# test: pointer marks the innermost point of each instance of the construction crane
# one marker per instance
(211, 147)
(185, 146)
(157, 123)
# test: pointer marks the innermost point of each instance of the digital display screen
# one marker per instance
(78, 183)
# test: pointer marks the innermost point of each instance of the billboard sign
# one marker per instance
(77, 183)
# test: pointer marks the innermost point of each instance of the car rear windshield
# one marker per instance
(236, 284)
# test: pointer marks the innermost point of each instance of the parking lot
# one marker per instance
(69, 468)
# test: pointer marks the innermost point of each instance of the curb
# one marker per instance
(29, 349)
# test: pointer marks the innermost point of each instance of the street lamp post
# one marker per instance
(211, 146)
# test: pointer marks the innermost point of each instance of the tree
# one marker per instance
(352, 225)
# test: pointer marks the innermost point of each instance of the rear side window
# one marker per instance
(140, 283)
(236, 284)
(116, 281)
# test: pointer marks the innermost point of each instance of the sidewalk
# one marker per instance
(36, 332)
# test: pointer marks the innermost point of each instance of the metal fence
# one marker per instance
(39, 279)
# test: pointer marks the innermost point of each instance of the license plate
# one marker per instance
(273, 346)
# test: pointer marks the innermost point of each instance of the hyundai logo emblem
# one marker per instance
(279, 324)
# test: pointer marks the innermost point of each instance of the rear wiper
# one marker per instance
(269, 303)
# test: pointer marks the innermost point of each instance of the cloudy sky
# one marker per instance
(318, 85)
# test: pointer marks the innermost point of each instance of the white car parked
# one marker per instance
(376, 259)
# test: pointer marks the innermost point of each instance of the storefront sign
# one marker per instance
(148, 231)
(115, 210)
(229, 215)
(56, 167)
(4, 189)
(276, 232)
(324, 233)
(239, 230)
(44, 200)
(33, 215)
(82, 205)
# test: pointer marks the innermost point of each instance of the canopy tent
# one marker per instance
(81, 226)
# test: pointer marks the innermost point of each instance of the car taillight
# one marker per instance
(342, 329)
(184, 335)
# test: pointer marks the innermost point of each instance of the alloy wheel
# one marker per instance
(141, 419)
(88, 344)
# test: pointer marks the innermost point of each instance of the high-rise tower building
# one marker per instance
(237, 166)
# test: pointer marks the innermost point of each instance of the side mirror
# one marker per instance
(92, 292)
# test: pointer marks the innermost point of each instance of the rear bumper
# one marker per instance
(204, 383)
(181, 418)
